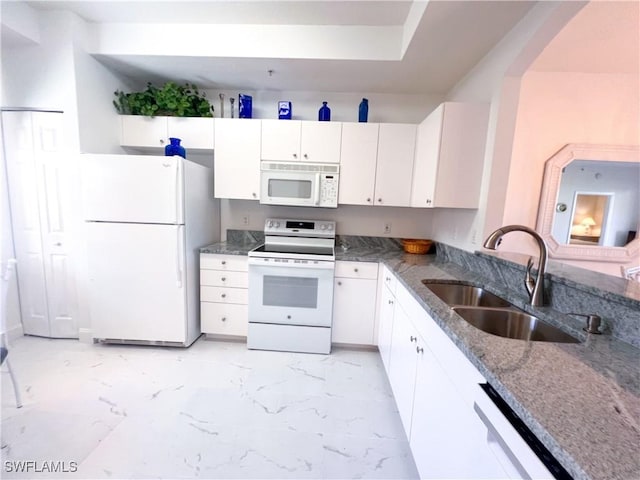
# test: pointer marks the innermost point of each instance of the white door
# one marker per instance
(40, 188)
(394, 168)
(281, 140)
(385, 328)
(425, 168)
(300, 295)
(359, 151)
(403, 362)
(237, 159)
(320, 141)
(137, 281)
(132, 188)
(354, 311)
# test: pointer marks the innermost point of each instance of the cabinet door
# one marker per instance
(237, 158)
(447, 433)
(320, 142)
(281, 140)
(224, 319)
(353, 311)
(385, 327)
(359, 151)
(425, 168)
(141, 131)
(403, 361)
(195, 133)
(396, 148)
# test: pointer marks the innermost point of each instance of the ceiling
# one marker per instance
(450, 37)
(603, 37)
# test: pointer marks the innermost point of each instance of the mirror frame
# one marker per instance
(549, 195)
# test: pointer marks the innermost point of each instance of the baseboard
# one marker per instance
(84, 335)
(14, 332)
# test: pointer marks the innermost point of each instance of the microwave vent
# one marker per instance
(301, 167)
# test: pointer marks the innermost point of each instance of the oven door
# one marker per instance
(289, 293)
(290, 188)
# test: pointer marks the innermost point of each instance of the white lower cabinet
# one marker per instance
(223, 294)
(402, 365)
(354, 306)
(447, 438)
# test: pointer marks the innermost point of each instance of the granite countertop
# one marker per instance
(581, 400)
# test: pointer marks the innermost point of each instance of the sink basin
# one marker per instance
(463, 294)
(513, 324)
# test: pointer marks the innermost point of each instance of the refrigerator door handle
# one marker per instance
(179, 192)
(179, 253)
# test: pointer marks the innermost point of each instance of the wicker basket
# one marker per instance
(419, 246)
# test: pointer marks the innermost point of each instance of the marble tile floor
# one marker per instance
(214, 410)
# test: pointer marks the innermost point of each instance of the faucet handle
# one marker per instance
(593, 322)
(529, 283)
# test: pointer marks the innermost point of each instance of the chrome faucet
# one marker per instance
(535, 288)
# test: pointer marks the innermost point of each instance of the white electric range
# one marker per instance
(291, 287)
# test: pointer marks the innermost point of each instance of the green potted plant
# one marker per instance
(169, 100)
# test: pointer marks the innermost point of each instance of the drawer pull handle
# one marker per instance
(412, 338)
(224, 295)
(419, 350)
(339, 283)
(390, 302)
(224, 319)
(224, 279)
(224, 262)
(355, 270)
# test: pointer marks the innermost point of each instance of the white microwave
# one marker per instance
(299, 184)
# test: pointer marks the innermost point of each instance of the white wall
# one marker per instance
(391, 108)
(496, 80)
(351, 219)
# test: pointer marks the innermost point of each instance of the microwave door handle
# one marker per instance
(316, 194)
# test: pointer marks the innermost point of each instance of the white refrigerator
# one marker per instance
(145, 219)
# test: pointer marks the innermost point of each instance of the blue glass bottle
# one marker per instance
(174, 148)
(363, 110)
(324, 114)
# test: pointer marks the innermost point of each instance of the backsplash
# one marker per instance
(567, 289)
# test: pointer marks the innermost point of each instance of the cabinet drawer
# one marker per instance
(223, 319)
(222, 278)
(212, 261)
(356, 270)
(389, 279)
(223, 295)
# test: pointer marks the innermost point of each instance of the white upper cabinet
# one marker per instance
(320, 142)
(237, 158)
(305, 141)
(154, 132)
(394, 168)
(449, 156)
(359, 152)
(281, 140)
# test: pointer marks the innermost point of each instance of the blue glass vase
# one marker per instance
(363, 110)
(324, 114)
(174, 148)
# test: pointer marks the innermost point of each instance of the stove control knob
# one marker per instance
(277, 224)
(323, 227)
(269, 224)
(330, 226)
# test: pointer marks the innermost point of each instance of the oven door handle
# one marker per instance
(316, 194)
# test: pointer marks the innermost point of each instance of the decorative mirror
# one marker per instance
(590, 203)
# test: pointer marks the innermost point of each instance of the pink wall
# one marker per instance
(557, 108)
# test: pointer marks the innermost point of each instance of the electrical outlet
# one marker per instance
(387, 228)
(245, 220)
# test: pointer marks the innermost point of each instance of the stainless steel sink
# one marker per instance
(464, 294)
(513, 324)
